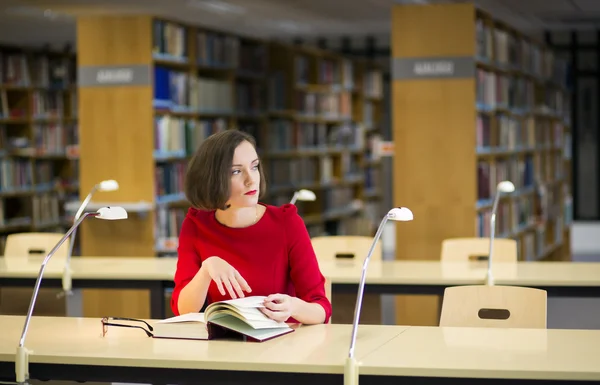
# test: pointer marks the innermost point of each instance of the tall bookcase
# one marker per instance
(38, 157)
(476, 102)
(38, 139)
(147, 102)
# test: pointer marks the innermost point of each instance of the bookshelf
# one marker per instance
(169, 86)
(322, 124)
(38, 153)
(38, 139)
(476, 102)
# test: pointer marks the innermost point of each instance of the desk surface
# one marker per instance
(79, 341)
(339, 272)
(381, 350)
(551, 354)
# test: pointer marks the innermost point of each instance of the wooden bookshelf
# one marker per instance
(318, 136)
(38, 136)
(38, 153)
(476, 102)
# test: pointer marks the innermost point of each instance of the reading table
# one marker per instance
(66, 348)
(69, 348)
(567, 279)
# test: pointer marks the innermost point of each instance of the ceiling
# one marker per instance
(52, 21)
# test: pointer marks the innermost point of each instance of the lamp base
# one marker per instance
(22, 366)
(351, 372)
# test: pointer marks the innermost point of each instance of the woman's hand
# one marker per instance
(278, 307)
(226, 277)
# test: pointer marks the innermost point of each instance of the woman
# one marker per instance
(232, 246)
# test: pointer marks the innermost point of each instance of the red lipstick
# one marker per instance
(251, 192)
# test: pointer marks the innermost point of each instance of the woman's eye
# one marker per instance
(235, 172)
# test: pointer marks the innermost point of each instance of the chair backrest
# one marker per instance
(494, 306)
(342, 247)
(34, 244)
(464, 249)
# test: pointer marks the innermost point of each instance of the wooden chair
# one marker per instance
(461, 249)
(494, 306)
(16, 300)
(343, 247)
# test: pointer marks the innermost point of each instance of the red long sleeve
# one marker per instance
(274, 255)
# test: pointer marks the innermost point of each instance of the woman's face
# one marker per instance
(245, 176)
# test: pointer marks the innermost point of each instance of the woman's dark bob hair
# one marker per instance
(208, 177)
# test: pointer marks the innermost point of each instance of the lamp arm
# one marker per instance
(294, 198)
(86, 201)
(22, 356)
(490, 279)
(38, 281)
(361, 287)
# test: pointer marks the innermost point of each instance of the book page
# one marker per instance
(252, 302)
(189, 317)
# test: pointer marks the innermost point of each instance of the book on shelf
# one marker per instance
(239, 317)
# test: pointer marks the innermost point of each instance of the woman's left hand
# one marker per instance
(278, 307)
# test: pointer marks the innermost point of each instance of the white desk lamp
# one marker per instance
(351, 368)
(303, 195)
(105, 185)
(503, 187)
(22, 358)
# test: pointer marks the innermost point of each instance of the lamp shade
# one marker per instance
(108, 185)
(400, 214)
(506, 186)
(111, 213)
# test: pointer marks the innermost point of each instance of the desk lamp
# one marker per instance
(503, 187)
(351, 369)
(105, 185)
(303, 195)
(22, 358)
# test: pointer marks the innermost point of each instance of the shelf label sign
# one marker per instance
(433, 68)
(115, 75)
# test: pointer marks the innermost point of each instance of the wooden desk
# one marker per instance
(575, 279)
(434, 355)
(67, 348)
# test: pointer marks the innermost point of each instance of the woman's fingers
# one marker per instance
(219, 285)
(274, 306)
(242, 282)
(236, 285)
(230, 289)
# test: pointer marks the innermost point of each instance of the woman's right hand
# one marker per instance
(226, 277)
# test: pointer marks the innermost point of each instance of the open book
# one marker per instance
(235, 317)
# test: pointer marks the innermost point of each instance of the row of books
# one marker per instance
(330, 105)
(36, 70)
(39, 105)
(181, 91)
(337, 198)
(519, 170)
(169, 39)
(48, 139)
(169, 178)
(40, 211)
(22, 175)
(514, 133)
(506, 49)
(212, 49)
(499, 90)
(285, 135)
(297, 171)
(179, 137)
(167, 225)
